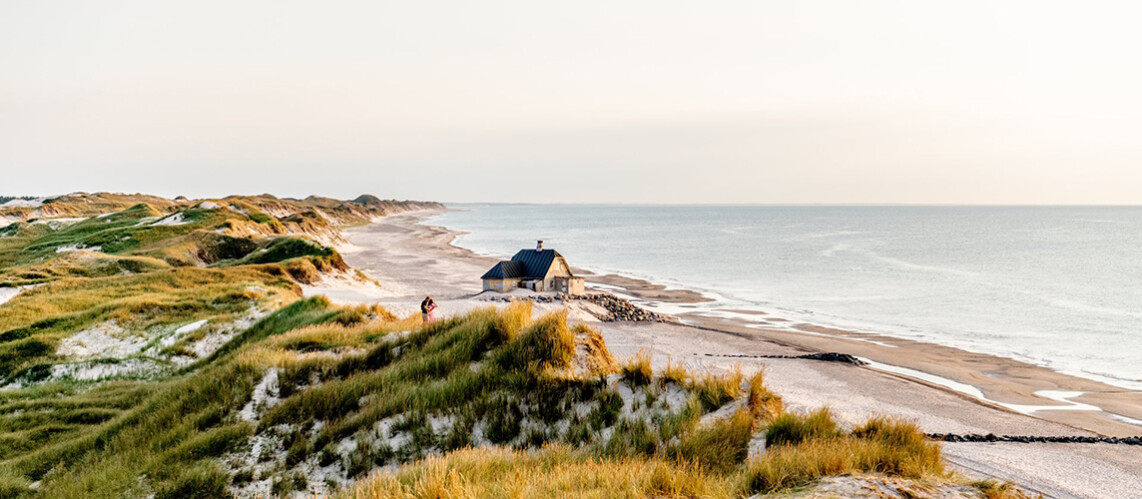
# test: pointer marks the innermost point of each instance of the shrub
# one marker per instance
(211, 443)
(721, 445)
(675, 373)
(200, 482)
(904, 434)
(810, 447)
(510, 321)
(547, 343)
(802, 463)
(637, 371)
(243, 476)
(995, 489)
(503, 417)
(631, 437)
(599, 361)
(764, 404)
(554, 471)
(791, 429)
(715, 390)
(607, 412)
(285, 248)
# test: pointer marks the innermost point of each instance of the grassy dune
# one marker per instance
(162, 348)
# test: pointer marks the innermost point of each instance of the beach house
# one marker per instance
(536, 269)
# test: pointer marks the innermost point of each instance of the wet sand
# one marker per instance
(410, 260)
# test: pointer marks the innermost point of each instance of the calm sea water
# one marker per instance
(1055, 286)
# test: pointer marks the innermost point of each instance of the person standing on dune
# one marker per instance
(426, 308)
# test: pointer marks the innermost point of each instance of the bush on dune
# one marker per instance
(550, 472)
(546, 344)
(638, 371)
(720, 446)
(807, 448)
(791, 429)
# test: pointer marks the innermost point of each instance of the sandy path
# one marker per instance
(411, 260)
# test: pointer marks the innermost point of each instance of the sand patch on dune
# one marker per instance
(346, 288)
(108, 339)
(175, 219)
(24, 203)
(9, 293)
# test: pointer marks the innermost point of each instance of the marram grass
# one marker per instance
(491, 404)
(554, 471)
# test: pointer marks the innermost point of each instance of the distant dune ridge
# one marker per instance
(154, 347)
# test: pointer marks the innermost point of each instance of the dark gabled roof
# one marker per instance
(526, 264)
(537, 263)
(506, 270)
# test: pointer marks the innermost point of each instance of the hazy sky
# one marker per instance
(615, 101)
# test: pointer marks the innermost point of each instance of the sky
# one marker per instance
(662, 101)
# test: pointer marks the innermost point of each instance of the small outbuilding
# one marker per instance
(538, 270)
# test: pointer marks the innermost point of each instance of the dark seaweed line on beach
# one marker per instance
(991, 437)
(843, 358)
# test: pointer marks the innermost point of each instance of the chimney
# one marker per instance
(539, 245)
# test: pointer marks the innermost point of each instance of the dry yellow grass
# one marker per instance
(815, 449)
(764, 404)
(637, 371)
(675, 373)
(486, 371)
(555, 471)
(591, 352)
(714, 390)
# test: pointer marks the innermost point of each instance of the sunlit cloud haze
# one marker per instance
(634, 101)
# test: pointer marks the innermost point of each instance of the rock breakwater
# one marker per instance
(617, 309)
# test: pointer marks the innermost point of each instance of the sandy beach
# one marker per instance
(945, 390)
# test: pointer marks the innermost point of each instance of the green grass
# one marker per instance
(391, 389)
(33, 324)
(807, 448)
(281, 249)
(81, 438)
(791, 429)
(492, 370)
(171, 431)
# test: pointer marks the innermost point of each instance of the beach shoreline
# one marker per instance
(945, 390)
(1003, 382)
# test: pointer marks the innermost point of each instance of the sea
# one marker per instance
(1059, 287)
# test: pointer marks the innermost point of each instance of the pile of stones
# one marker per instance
(617, 308)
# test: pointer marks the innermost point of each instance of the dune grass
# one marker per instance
(637, 371)
(554, 471)
(807, 448)
(884, 447)
(792, 429)
(493, 376)
(314, 385)
(169, 431)
(135, 274)
(711, 460)
(33, 324)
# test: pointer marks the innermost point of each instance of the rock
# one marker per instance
(833, 357)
